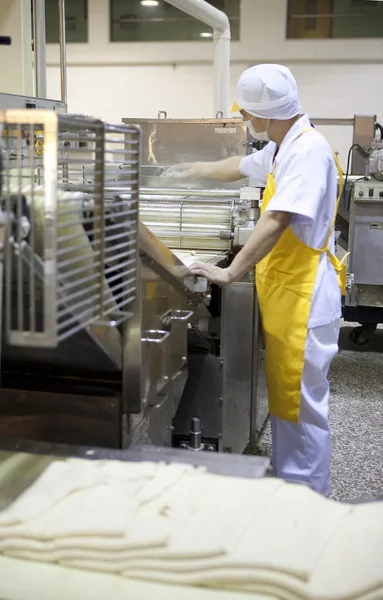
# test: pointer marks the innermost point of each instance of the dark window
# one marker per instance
(76, 21)
(324, 19)
(158, 21)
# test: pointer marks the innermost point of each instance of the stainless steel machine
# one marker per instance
(224, 403)
(358, 224)
(364, 301)
(95, 309)
(13, 101)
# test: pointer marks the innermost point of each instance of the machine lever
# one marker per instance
(181, 315)
(196, 435)
(155, 336)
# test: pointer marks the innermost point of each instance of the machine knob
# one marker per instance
(361, 193)
(381, 194)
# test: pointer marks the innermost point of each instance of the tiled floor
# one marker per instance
(356, 417)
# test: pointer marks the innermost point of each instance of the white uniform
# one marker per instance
(306, 186)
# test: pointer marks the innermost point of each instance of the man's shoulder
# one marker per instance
(312, 142)
(311, 148)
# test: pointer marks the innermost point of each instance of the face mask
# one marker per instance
(261, 136)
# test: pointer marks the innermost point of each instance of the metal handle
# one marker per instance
(162, 114)
(155, 336)
(349, 282)
(63, 80)
(219, 114)
(181, 315)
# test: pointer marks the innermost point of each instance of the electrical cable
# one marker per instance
(346, 204)
(378, 127)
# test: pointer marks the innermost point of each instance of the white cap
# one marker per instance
(268, 92)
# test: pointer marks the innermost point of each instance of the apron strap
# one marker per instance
(341, 185)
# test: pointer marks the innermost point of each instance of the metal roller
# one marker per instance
(185, 225)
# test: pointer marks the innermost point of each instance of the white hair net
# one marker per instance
(268, 92)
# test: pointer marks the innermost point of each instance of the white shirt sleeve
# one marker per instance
(301, 184)
(257, 165)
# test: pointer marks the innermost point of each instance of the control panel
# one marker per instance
(13, 101)
(368, 190)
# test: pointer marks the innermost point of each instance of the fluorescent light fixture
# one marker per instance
(149, 3)
(206, 34)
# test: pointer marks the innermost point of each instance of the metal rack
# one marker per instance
(71, 255)
(96, 313)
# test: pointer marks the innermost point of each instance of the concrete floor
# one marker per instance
(356, 418)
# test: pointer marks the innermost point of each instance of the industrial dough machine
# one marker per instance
(95, 309)
(364, 300)
(224, 403)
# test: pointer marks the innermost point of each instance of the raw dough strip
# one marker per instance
(303, 523)
(290, 533)
(223, 514)
(279, 584)
(148, 531)
(255, 581)
(102, 510)
(56, 481)
(165, 478)
(351, 565)
(88, 513)
(63, 477)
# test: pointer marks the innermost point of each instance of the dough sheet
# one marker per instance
(177, 525)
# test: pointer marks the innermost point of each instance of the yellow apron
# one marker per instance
(285, 281)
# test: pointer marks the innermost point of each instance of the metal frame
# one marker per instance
(366, 278)
(62, 39)
(225, 464)
(59, 269)
(39, 46)
(49, 124)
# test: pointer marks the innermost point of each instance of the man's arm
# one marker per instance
(266, 234)
(223, 170)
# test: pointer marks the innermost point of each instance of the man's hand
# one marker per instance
(212, 273)
(266, 234)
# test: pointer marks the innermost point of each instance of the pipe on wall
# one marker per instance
(63, 65)
(39, 46)
(218, 20)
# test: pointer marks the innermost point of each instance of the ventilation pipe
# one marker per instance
(218, 20)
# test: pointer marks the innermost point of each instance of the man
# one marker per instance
(297, 275)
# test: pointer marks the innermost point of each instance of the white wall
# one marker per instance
(16, 59)
(336, 78)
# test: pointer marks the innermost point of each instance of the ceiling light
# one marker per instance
(206, 34)
(149, 3)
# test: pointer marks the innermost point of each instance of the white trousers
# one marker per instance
(302, 451)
